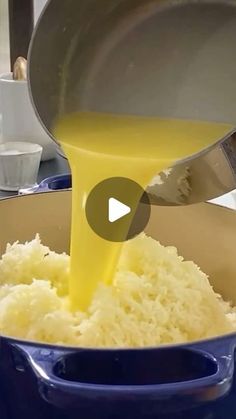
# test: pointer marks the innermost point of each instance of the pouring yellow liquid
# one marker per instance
(101, 146)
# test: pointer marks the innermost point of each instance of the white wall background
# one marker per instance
(4, 38)
(38, 6)
(4, 31)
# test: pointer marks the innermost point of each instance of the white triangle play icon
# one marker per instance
(117, 210)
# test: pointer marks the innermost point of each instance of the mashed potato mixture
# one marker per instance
(156, 298)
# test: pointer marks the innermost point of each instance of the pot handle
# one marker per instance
(205, 374)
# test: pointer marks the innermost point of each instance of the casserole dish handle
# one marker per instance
(167, 376)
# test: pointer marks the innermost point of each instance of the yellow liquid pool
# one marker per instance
(100, 146)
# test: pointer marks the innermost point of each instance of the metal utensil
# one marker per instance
(171, 58)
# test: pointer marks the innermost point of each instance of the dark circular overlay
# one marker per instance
(127, 192)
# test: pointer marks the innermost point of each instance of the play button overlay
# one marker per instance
(117, 209)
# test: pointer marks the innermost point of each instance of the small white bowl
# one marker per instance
(19, 165)
(19, 121)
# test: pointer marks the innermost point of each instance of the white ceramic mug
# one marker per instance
(19, 122)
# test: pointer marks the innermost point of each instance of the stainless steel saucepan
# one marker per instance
(170, 58)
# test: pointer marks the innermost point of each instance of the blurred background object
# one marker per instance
(17, 19)
(4, 37)
(17, 118)
(20, 27)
